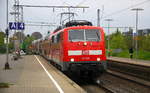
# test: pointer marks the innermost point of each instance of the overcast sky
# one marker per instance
(109, 9)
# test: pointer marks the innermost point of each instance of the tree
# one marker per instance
(2, 45)
(129, 38)
(27, 41)
(144, 43)
(36, 35)
(2, 36)
(117, 41)
(19, 35)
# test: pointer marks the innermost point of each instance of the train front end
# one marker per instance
(84, 48)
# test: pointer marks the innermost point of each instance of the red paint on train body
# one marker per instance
(66, 50)
(77, 46)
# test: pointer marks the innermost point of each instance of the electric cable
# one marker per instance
(122, 10)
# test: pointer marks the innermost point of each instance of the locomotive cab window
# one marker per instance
(92, 35)
(84, 35)
(76, 35)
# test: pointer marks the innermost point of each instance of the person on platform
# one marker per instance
(131, 52)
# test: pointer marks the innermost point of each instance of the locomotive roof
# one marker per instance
(74, 23)
(78, 23)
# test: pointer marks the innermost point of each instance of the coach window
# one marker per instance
(52, 39)
(55, 39)
(61, 36)
(58, 37)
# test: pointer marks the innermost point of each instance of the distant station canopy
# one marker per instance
(78, 23)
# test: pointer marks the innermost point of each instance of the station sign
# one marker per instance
(16, 26)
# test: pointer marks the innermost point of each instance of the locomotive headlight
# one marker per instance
(85, 44)
(72, 59)
(98, 59)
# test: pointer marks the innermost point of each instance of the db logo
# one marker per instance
(85, 52)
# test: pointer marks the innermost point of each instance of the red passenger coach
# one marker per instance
(78, 48)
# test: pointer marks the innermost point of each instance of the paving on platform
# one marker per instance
(130, 61)
(32, 74)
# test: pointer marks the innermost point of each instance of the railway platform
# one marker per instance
(130, 61)
(32, 74)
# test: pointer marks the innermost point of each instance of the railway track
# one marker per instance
(126, 78)
(111, 82)
(133, 72)
(119, 83)
(140, 71)
(130, 77)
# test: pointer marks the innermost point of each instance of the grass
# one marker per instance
(4, 85)
(144, 55)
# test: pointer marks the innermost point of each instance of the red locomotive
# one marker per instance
(78, 46)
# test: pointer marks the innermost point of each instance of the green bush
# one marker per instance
(3, 49)
(144, 55)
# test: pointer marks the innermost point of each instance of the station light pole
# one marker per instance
(108, 43)
(7, 35)
(14, 37)
(98, 17)
(136, 28)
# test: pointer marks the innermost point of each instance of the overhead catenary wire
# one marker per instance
(83, 1)
(39, 22)
(40, 25)
(122, 10)
(64, 3)
(51, 6)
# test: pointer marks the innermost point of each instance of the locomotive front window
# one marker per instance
(84, 35)
(92, 35)
(76, 35)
